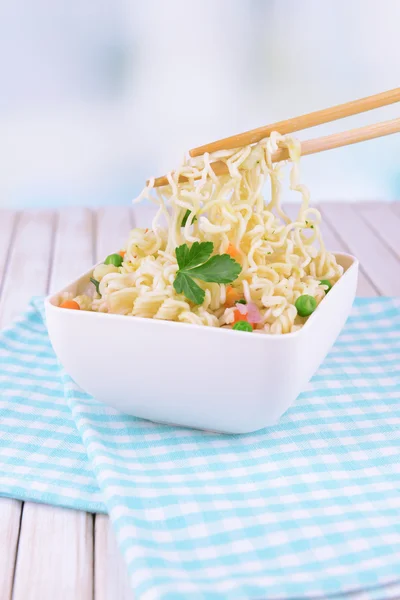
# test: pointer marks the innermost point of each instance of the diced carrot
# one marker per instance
(232, 251)
(238, 316)
(146, 230)
(122, 253)
(232, 296)
(70, 304)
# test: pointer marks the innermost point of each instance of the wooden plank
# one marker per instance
(10, 510)
(113, 226)
(73, 248)
(7, 223)
(10, 514)
(111, 574)
(55, 553)
(377, 260)
(26, 274)
(55, 559)
(334, 243)
(384, 222)
(28, 263)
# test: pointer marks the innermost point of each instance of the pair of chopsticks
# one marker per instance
(318, 117)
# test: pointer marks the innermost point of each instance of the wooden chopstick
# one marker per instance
(303, 122)
(320, 144)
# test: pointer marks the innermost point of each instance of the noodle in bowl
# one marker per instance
(280, 260)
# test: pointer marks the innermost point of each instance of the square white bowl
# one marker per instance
(195, 376)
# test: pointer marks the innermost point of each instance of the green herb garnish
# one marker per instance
(195, 263)
(185, 218)
(242, 301)
(96, 285)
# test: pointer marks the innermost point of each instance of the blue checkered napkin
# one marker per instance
(308, 507)
(42, 457)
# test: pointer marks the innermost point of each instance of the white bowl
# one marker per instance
(190, 375)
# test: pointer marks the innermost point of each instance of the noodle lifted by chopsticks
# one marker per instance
(281, 260)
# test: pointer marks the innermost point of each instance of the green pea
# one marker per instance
(305, 305)
(242, 326)
(114, 259)
(327, 283)
(242, 301)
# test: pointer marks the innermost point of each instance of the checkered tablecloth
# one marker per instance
(308, 507)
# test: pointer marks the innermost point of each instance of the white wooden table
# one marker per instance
(50, 553)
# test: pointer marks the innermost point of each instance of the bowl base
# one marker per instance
(213, 431)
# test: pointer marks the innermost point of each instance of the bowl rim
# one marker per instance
(50, 306)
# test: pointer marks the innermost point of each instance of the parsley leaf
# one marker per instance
(185, 218)
(195, 262)
(185, 285)
(192, 257)
(219, 269)
(182, 255)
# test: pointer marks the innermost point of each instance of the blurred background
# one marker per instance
(97, 95)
